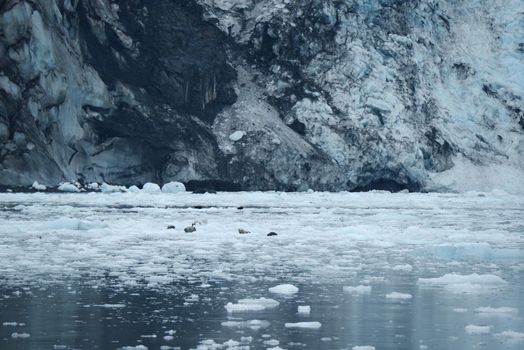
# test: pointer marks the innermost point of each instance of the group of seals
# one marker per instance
(192, 228)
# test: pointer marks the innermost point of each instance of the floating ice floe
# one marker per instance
(287, 289)
(237, 135)
(456, 283)
(68, 187)
(173, 187)
(246, 305)
(111, 306)
(397, 295)
(308, 325)
(16, 335)
(304, 309)
(10, 324)
(477, 330)
(510, 336)
(360, 289)
(252, 324)
(150, 187)
(363, 347)
(138, 347)
(38, 186)
(497, 310)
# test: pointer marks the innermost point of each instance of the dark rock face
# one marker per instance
(244, 94)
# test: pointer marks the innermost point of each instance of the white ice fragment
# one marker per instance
(138, 347)
(68, 187)
(111, 306)
(308, 325)
(304, 309)
(13, 324)
(475, 330)
(397, 295)
(456, 283)
(286, 289)
(168, 337)
(252, 324)
(16, 335)
(271, 342)
(246, 305)
(38, 186)
(106, 188)
(133, 189)
(460, 310)
(150, 187)
(510, 336)
(497, 310)
(363, 347)
(93, 186)
(173, 187)
(237, 135)
(360, 289)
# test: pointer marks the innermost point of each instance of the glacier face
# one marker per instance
(327, 95)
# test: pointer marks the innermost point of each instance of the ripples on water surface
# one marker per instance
(421, 271)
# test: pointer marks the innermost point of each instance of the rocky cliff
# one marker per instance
(262, 94)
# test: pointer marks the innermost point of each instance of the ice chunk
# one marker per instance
(405, 267)
(237, 135)
(460, 310)
(497, 310)
(133, 189)
(68, 187)
(308, 325)
(286, 289)
(246, 305)
(360, 289)
(173, 187)
(106, 188)
(397, 295)
(304, 310)
(271, 342)
(474, 329)
(38, 186)
(150, 187)
(93, 186)
(138, 347)
(252, 324)
(456, 283)
(16, 335)
(510, 336)
(13, 324)
(363, 347)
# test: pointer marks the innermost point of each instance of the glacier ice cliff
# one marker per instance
(263, 94)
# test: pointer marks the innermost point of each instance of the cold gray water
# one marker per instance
(378, 271)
